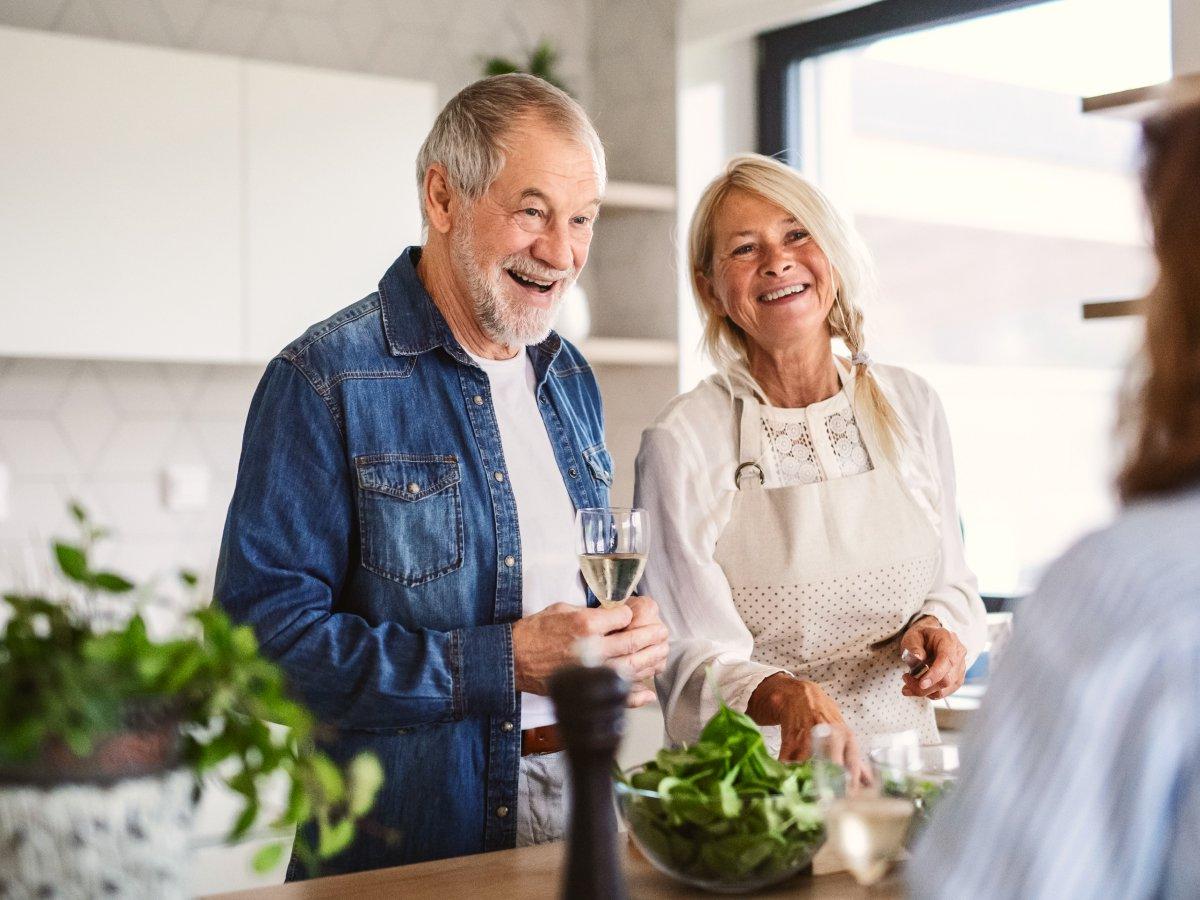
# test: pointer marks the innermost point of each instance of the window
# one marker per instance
(994, 209)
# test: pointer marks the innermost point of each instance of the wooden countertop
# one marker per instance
(530, 873)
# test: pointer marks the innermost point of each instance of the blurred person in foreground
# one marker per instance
(1082, 775)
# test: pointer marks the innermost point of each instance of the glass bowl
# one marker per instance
(922, 774)
(692, 840)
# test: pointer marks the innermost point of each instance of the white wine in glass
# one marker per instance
(612, 543)
(868, 833)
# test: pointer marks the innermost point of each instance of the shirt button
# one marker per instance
(414, 488)
(573, 472)
(506, 726)
(478, 400)
(510, 561)
(499, 476)
(502, 811)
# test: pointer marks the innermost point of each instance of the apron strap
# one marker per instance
(749, 445)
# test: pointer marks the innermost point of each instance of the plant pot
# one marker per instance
(115, 823)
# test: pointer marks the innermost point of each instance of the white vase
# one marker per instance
(574, 318)
(128, 839)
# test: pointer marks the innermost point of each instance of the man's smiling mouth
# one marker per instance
(534, 283)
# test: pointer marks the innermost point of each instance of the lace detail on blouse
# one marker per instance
(847, 443)
(794, 455)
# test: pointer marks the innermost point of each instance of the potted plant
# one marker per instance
(108, 737)
(541, 60)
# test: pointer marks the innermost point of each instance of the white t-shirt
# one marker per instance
(545, 513)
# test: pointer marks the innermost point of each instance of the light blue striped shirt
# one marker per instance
(1082, 773)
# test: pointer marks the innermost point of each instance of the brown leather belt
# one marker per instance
(545, 739)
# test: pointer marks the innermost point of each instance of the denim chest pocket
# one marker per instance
(409, 516)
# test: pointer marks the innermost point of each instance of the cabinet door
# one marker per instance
(119, 200)
(331, 197)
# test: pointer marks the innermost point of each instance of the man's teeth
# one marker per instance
(533, 282)
(783, 292)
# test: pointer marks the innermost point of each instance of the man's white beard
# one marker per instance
(506, 321)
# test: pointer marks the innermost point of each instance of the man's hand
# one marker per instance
(926, 639)
(630, 637)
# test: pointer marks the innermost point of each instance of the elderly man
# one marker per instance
(401, 536)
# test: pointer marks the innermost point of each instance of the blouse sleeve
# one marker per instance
(691, 589)
(954, 599)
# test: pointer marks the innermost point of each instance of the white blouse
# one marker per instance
(685, 480)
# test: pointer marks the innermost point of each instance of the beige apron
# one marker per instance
(823, 573)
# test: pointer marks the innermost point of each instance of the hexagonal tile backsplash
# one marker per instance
(103, 433)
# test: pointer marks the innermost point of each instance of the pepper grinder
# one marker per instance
(589, 701)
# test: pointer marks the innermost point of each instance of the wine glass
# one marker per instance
(867, 828)
(612, 543)
(869, 832)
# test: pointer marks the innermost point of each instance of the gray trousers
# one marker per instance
(543, 799)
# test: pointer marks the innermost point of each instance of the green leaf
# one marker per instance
(77, 511)
(135, 632)
(104, 648)
(333, 839)
(728, 726)
(731, 803)
(329, 778)
(499, 65)
(73, 562)
(299, 806)
(80, 742)
(365, 778)
(112, 582)
(268, 858)
(244, 820)
(189, 578)
(245, 644)
(185, 669)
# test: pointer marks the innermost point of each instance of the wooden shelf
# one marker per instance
(629, 352)
(1111, 309)
(632, 195)
(1138, 103)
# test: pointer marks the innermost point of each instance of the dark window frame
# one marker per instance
(781, 51)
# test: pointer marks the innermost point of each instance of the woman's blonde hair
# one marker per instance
(1161, 410)
(853, 275)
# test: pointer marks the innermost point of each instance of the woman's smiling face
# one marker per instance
(768, 275)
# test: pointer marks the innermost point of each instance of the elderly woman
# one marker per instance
(805, 502)
(1082, 775)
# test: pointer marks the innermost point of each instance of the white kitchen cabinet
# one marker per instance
(119, 200)
(331, 194)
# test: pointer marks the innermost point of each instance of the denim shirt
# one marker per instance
(367, 544)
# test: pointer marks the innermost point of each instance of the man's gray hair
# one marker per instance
(468, 136)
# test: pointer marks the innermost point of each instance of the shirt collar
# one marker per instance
(413, 324)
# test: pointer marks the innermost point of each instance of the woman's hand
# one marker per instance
(796, 706)
(641, 691)
(927, 639)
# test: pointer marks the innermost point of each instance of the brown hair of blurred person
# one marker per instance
(1161, 413)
